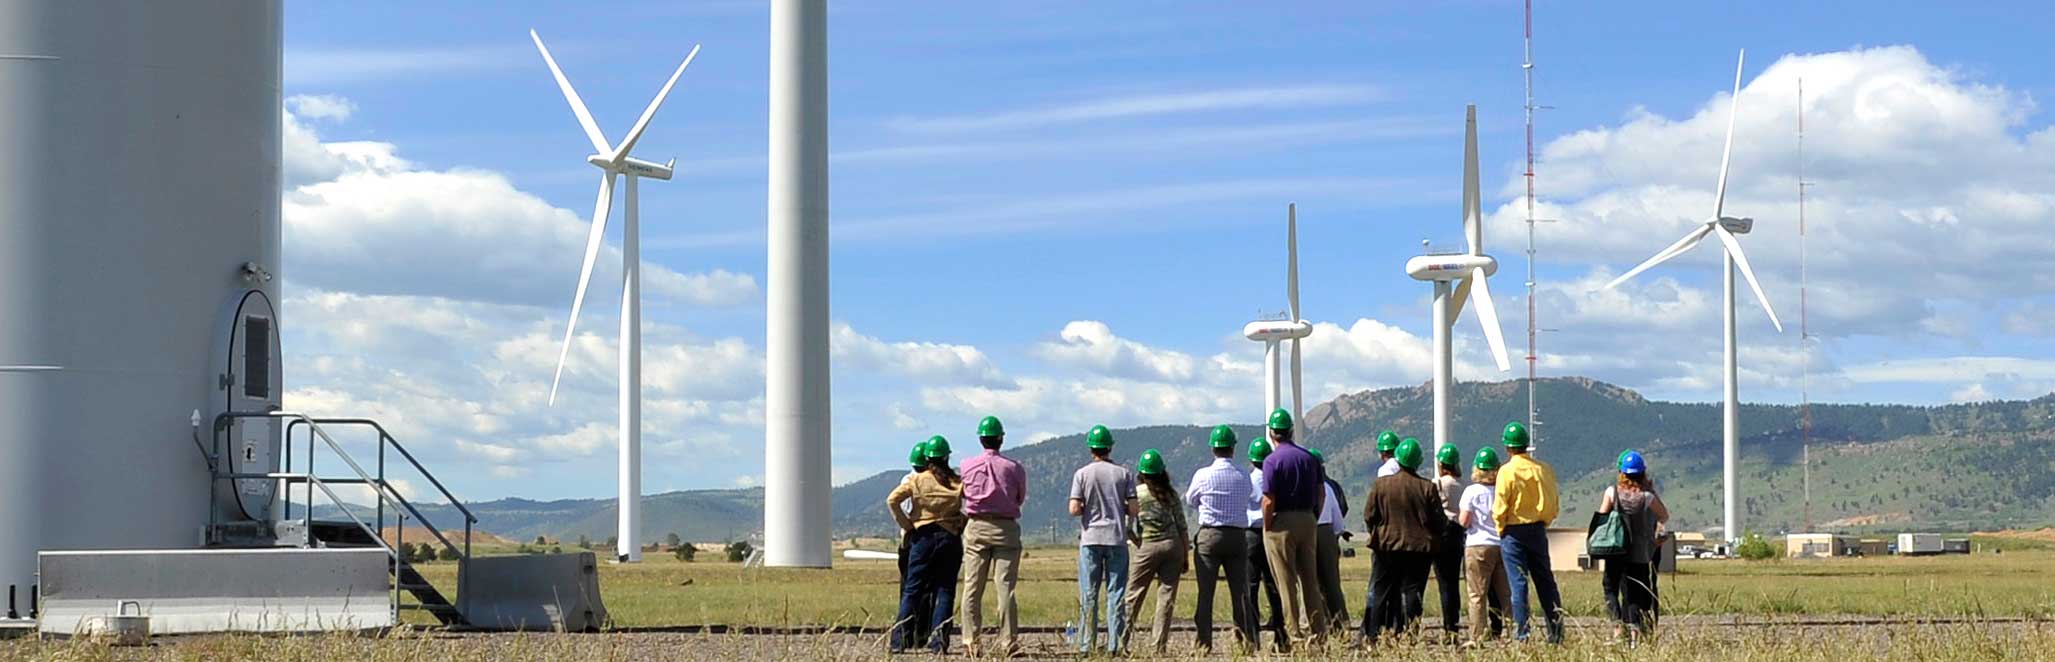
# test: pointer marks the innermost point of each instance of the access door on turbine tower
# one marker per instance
(248, 356)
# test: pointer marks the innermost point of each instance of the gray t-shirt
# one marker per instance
(1105, 488)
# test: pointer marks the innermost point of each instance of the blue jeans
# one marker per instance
(1101, 566)
(1525, 547)
(927, 595)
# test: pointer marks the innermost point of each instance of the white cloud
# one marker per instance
(320, 107)
(919, 360)
(329, 66)
(1124, 107)
(360, 219)
(1091, 345)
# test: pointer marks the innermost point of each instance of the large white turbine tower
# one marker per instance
(614, 161)
(1725, 228)
(1272, 332)
(1454, 276)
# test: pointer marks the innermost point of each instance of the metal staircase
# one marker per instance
(304, 531)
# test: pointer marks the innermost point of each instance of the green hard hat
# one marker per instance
(936, 447)
(1099, 438)
(1317, 455)
(1486, 460)
(1515, 435)
(1259, 449)
(919, 457)
(1151, 463)
(990, 427)
(1447, 455)
(1223, 437)
(1408, 453)
(1280, 419)
(1387, 441)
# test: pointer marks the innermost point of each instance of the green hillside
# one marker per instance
(1975, 466)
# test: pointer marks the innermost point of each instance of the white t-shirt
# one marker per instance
(1483, 531)
(1389, 467)
(1256, 497)
(1331, 514)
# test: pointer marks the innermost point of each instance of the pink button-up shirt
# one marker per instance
(993, 486)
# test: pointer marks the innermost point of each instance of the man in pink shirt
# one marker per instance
(994, 488)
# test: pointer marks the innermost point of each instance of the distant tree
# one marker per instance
(584, 542)
(685, 552)
(539, 541)
(738, 551)
(613, 542)
(556, 550)
(672, 540)
(1755, 548)
(447, 554)
(424, 552)
(523, 549)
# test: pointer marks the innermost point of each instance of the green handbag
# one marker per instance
(1608, 537)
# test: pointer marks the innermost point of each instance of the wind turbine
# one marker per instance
(1454, 276)
(1273, 332)
(614, 161)
(1725, 228)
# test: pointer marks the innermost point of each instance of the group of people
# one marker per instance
(1274, 533)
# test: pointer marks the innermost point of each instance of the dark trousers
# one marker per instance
(1397, 581)
(927, 597)
(1448, 576)
(1260, 582)
(1525, 547)
(1630, 593)
(1219, 551)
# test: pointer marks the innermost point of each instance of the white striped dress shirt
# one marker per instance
(1221, 494)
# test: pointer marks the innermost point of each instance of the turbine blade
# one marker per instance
(599, 140)
(1473, 202)
(1461, 296)
(1727, 153)
(1682, 245)
(593, 240)
(1488, 316)
(1741, 260)
(1291, 243)
(635, 134)
(1298, 385)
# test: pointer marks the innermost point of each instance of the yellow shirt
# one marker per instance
(933, 502)
(1526, 493)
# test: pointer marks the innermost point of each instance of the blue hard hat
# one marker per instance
(1631, 463)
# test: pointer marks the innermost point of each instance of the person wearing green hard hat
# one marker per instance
(1162, 543)
(1483, 564)
(1387, 441)
(1220, 494)
(1630, 577)
(994, 490)
(1448, 558)
(1294, 492)
(1523, 507)
(1103, 498)
(1404, 518)
(1260, 579)
(929, 509)
(918, 460)
(1328, 534)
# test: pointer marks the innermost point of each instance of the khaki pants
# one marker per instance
(1161, 562)
(1484, 570)
(988, 543)
(1289, 539)
(1329, 553)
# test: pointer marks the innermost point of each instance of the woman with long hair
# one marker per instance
(1630, 578)
(1484, 566)
(934, 525)
(1161, 547)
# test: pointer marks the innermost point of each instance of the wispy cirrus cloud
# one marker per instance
(329, 66)
(1147, 105)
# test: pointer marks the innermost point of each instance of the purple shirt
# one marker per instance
(993, 486)
(1292, 480)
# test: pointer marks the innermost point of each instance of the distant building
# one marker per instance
(1819, 545)
(1873, 547)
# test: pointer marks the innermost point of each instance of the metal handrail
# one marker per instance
(392, 596)
(384, 491)
(387, 438)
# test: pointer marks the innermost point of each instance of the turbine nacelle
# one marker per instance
(1277, 330)
(1449, 267)
(1737, 225)
(632, 166)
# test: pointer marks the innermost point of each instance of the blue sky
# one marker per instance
(1063, 213)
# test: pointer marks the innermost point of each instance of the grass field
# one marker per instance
(664, 592)
(1980, 607)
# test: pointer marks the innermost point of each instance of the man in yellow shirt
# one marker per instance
(1525, 504)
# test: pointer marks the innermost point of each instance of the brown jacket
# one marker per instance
(1403, 513)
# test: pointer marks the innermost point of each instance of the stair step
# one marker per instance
(417, 587)
(436, 609)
